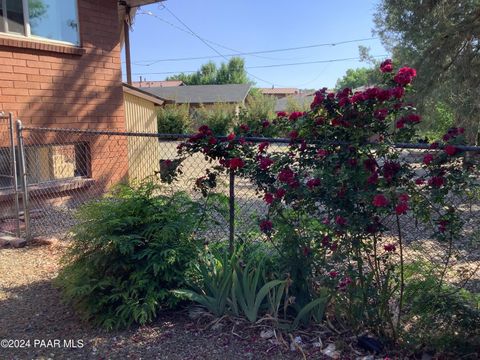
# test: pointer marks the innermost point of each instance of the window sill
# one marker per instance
(54, 186)
(27, 43)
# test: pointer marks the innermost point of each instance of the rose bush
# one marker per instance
(340, 186)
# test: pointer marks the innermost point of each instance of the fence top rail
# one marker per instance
(418, 146)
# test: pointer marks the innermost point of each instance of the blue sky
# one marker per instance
(255, 25)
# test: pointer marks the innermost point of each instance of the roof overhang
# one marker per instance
(132, 90)
(131, 6)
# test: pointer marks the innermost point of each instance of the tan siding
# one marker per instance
(143, 152)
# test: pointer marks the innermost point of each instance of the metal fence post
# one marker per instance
(13, 157)
(232, 211)
(23, 174)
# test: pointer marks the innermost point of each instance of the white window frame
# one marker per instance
(27, 28)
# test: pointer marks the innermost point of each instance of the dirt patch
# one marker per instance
(31, 310)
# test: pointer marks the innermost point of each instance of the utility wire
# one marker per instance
(270, 66)
(210, 46)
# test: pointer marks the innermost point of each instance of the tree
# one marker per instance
(355, 78)
(441, 38)
(232, 72)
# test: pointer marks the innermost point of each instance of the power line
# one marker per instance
(152, 62)
(210, 46)
(269, 66)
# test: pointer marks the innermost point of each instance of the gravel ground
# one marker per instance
(31, 309)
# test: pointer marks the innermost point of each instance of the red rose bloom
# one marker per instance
(236, 163)
(286, 175)
(389, 247)
(313, 183)
(436, 181)
(401, 208)
(450, 150)
(380, 114)
(265, 124)
(386, 66)
(268, 197)
(427, 159)
(231, 137)
(281, 114)
(414, 118)
(400, 123)
(322, 152)
(266, 226)
(265, 162)
(333, 274)
(262, 146)
(419, 181)
(380, 201)
(405, 76)
(280, 193)
(404, 197)
(397, 92)
(295, 115)
(340, 220)
(293, 134)
(373, 179)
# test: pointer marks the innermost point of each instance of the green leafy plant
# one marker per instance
(129, 251)
(220, 118)
(248, 289)
(214, 287)
(174, 119)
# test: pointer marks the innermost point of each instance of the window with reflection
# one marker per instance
(41, 19)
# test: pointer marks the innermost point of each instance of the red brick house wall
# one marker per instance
(50, 85)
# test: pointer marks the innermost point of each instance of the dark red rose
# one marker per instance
(295, 115)
(286, 175)
(282, 114)
(322, 153)
(231, 137)
(405, 76)
(340, 220)
(380, 114)
(326, 241)
(265, 124)
(386, 66)
(420, 181)
(265, 162)
(436, 181)
(373, 179)
(333, 274)
(401, 208)
(400, 123)
(266, 226)
(244, 128)
(262, 146)
(370, 164)
(403, 197)
(280, 193)
(268, 197)
(390, 170)
(414, 118)
(389, 247)
(450, 150)
(236, 163)
(427, 159)
(312, 183)
(212, 141)
(397, 92)
(434, 145)
(293, 134)
(380, 200)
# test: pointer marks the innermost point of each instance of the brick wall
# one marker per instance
(61, 86)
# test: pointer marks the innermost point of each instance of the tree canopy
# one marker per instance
(441, 39)
(232, 72)
(355, 78)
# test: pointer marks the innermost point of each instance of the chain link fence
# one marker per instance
(68, 167)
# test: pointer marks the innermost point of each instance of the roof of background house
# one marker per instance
(129, 89)
(202, 94)
(163, 83)
(273, 91)
(302, 99)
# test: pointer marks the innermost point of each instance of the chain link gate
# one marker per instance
(14, 214)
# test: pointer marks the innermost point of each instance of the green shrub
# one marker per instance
(220, 118)
(130, 250)
(174, 119)
(259, 108)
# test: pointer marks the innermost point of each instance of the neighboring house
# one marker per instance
(60, 66)
(163, 83)
(300, 100)
(197, 95)
(279, 92)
